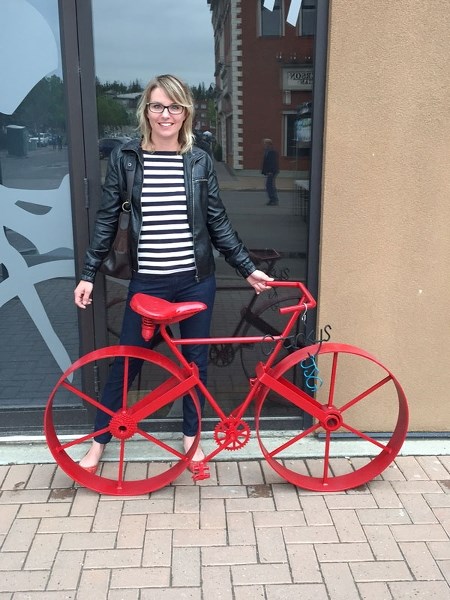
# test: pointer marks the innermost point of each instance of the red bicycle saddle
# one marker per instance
(161, 311)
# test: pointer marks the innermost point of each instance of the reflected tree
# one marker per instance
(43, 108)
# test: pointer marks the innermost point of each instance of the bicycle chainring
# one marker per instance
(232, 433)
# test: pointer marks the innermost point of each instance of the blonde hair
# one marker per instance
(179, 93)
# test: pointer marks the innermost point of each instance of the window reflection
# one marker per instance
(271, 20)
(307, 18)
(260, 86)
(36, 241)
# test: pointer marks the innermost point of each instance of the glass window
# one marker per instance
(297, 128)
(271, 20)
(39, 323)
(289, 135)
(307, 21)
(38, 320)
(277, 236)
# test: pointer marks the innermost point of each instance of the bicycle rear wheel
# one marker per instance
(341, 450)
(163, 382)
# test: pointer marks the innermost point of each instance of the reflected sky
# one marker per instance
(177, 34)
(150, 37)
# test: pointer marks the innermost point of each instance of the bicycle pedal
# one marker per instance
(199, 470)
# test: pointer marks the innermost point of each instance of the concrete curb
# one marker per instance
(34, 450)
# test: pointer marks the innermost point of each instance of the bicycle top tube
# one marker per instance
(157, 312)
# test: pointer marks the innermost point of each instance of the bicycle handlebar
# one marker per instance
(306, 300)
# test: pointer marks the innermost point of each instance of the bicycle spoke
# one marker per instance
(333, 379)
(326, 458)
(121, 465)
(83, 439)
(366, 437)
(87, 398)
(161, 444)
(294, 440)
(366, 393)
(126, 365)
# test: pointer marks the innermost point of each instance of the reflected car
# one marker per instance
(106, 145)
(44, 139)
(40, 140)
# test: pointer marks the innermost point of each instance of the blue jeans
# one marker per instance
(178, 287)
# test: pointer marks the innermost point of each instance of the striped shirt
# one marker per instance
(165, 241)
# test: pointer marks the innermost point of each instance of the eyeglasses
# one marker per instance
(174, 109)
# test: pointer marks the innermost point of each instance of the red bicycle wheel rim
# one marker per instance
(117, 486)
(376, 465)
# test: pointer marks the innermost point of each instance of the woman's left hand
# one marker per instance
(259, 281)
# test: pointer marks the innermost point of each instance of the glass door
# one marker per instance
(250, 66)
(38, 321)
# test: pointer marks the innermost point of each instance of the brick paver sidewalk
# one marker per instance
(242, 535)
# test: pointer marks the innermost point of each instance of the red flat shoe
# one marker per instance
(199, 470)
(92, 469)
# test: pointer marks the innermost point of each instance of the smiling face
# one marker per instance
(165, 126)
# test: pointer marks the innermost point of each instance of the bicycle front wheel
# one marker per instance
(162, 382)
(359, 425)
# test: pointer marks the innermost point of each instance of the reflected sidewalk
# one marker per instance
(249, 181)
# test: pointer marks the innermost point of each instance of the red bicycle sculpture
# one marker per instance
(355, 384)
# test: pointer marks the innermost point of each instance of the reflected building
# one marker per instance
(263, 77)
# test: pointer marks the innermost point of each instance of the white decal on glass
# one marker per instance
(29, 52)
(22, 64)
(48, 232)
(294, 11)
(269, 4)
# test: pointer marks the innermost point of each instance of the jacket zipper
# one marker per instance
(138, 157)
(191, 200)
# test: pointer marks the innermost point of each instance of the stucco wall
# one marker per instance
(385, 241)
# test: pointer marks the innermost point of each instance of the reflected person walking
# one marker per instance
(270, 171)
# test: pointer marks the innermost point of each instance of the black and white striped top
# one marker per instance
(165, 242)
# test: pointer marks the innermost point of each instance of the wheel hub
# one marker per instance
(333, 420)
(123, 426)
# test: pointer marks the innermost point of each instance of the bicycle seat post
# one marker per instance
(147, 328)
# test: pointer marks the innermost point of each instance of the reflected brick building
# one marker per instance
(264, 75)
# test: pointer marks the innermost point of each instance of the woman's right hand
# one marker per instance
(83, 293)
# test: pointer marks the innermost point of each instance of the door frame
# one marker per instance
(77, 47)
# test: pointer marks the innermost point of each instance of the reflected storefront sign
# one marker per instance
(297, 78)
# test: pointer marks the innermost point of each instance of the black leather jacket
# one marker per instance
(207, 217)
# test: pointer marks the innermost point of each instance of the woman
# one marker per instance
(177, 217)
